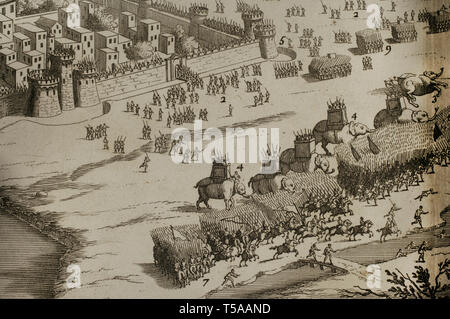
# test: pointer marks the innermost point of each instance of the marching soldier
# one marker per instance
(160, 114)
(105, 143)
(145, 163)
(230, 110)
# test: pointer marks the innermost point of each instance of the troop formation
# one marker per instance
(95, 133)
(287, 69)
(367, 63)
(342, 37)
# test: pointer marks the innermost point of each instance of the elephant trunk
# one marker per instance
(436, 109)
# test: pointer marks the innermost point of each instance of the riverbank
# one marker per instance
(29, 262)
(25, 235)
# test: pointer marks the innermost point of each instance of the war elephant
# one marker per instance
(324, 135)
(413, 85)
(288, 162)
(264, 184)
(207, 189)
(384, 117)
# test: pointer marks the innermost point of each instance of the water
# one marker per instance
(269, 285)
(28, 260)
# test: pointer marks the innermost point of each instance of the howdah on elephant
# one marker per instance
(207, 190)
(325, 135)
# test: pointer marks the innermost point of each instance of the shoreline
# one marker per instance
(71, 240)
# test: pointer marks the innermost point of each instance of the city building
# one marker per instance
(149, 30)
(107, 59)
(127, 25)
(85, 37)
(8, 8)
(167, 43)
(6, 25)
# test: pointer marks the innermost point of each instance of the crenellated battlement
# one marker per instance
(42, 78)
(253, 14)
(66, 54)
(198, 9)
(265, 29)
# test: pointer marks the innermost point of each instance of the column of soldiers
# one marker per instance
(304, 43)
(342, 37)
(314, 51)
(156, 98)
(253, 86)
(385, 24)
(220, 7)
(96, 133)
(295, 11)
(146, 131)
(367, 63)
(335, 13)
(148, 112)
(308, 32)
(423, 15)
(287, 69)
(296, 27)
(245, 70)
(260, 99)
(119, 145)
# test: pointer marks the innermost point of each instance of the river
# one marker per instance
(28, 260)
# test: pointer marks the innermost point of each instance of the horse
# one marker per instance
(386, 230)
(284, 249)
(273, 233)
(248, 255)
(360, 230)
(328, 232)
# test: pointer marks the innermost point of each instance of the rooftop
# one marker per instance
(18, 65)
(108, 50)
(30, 27)
(3, 2)
(4, 18)
(107, 33)
(6, 51)
(127, 13)
(149, 21)
(46, 22)
(20, 36)
(123, 39)
(80, 30)
(33, 53)
(4, 39)
(65, 40)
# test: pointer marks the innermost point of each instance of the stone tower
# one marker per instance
(251, 18)
(265, 32)
(85, 87)
(62, 67)
(43, 97)
(197, 14)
